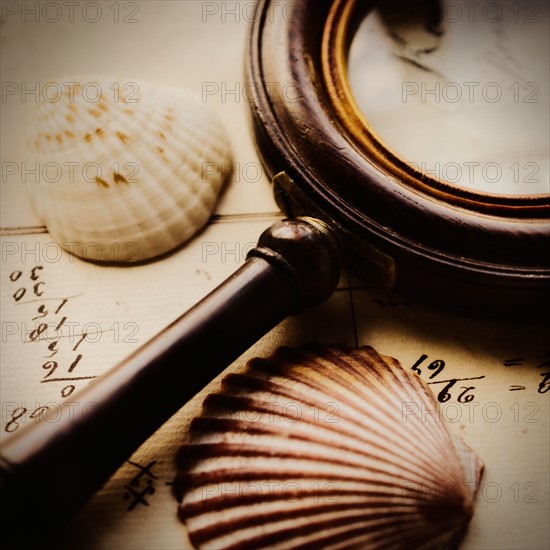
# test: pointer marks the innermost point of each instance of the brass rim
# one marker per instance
(338, 33)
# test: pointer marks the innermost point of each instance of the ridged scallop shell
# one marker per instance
(127, 170)
(324, 447)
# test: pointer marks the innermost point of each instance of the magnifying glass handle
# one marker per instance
(49, 469)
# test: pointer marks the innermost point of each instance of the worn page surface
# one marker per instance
(66, 321)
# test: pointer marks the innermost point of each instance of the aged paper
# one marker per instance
(491, 376)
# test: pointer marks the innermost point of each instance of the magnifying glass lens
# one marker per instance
(459, 90)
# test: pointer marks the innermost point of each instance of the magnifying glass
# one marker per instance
(378, 206)
(453, 242)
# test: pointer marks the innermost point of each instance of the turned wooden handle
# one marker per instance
(58, 466)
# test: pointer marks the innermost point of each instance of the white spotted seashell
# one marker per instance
(324, 447)
(128, 170)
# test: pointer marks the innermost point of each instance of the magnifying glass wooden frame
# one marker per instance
(400, 227)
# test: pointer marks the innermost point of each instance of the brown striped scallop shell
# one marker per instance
(324, 447)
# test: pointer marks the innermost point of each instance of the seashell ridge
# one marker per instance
(324, 447)
(127, 171)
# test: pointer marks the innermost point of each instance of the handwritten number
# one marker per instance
(38, 331)
(36, 288)
(39, 412)
(415, 366)
(444, 394)
(65, 300)
(75, 363)
(53, 348)
(19, 293)
(67, 390)
(464, 397)
(34, 276)
(16, 415)
(82, 338)
(15, 275)
(544, 386)
(43, 312)
(438, 365)
(51, 366)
